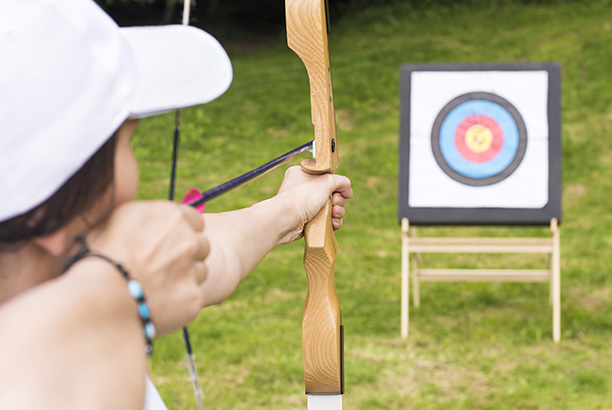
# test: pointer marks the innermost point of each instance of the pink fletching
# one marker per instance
(192, 195)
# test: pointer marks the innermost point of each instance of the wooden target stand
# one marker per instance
(438, 188)
(412, 244)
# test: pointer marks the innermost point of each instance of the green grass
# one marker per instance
(486, 346)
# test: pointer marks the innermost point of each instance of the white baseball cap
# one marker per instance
(69, 77)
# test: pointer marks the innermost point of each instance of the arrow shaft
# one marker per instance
(246, 177)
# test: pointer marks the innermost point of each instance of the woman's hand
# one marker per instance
(309, 193)
(162, 245)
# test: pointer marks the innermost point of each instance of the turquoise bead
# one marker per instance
(149, 330)
(135, 289)
(143, 309)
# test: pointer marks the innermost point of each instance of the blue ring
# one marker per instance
(475, 169)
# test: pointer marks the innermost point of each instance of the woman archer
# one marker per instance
(88, 276)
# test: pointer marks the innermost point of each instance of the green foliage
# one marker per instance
(485, 346)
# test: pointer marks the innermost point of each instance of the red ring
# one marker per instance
(485, 121)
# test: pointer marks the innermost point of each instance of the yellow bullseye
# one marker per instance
(478, 138)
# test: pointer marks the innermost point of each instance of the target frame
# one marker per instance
(483, 215)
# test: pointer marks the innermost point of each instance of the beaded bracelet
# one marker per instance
(134, 288)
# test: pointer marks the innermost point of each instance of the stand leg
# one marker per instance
(551, 258)
(556, 281)
(416, 289)
(405, 278)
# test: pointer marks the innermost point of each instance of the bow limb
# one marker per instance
(322, 332)
(307, 37)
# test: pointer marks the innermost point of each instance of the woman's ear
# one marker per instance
(54, 244)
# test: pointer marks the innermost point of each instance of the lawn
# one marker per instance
(483, 345)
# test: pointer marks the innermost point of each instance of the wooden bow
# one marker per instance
(322, 331)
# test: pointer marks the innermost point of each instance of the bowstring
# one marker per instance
(192, 369)
(175, 145)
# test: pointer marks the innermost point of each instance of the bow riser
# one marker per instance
(322, 330)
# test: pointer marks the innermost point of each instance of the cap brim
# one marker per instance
(177, 67)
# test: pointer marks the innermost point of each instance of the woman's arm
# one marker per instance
(77, 341)
(241, 239)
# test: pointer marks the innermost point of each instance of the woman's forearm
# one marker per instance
(235, 252)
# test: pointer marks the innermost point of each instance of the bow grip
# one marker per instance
(322, 331)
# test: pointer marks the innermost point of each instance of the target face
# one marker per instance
(479, 139)
(480, 143)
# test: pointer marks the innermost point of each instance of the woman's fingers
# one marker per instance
(338, 199)
(195, 220)
(193, 217)
(336, 223)
(201, 272)
(342, 186)
(309, 193)
(338, 210)
(203, 247)
(164, 247)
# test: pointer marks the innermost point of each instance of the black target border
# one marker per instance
(482, 216)
(504, 173)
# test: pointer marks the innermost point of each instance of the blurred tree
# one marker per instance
(256, 17)
(269, 13)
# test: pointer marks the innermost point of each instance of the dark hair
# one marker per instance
(81, 192)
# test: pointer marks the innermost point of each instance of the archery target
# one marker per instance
(478, 139)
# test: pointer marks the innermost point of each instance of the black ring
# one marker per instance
(493, 179)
